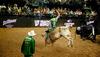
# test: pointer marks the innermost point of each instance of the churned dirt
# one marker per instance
(11, 40)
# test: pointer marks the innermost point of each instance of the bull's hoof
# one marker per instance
(94, 41)
(83, 39)
(70, 45)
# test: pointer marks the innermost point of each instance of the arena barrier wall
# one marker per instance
(30, 21)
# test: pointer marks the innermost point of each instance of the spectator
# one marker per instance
(15, 9)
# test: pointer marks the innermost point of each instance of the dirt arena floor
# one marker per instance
(11, 40)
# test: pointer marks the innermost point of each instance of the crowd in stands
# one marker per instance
(15, 10)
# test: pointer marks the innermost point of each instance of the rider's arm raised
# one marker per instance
(58, 15)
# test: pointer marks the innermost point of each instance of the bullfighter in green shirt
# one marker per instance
(28, 46)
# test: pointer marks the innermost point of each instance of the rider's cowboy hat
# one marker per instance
(31, 33)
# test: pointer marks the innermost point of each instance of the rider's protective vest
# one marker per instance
(53, 22)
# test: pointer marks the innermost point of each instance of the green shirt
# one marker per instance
(28, 46)
(53, 22)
